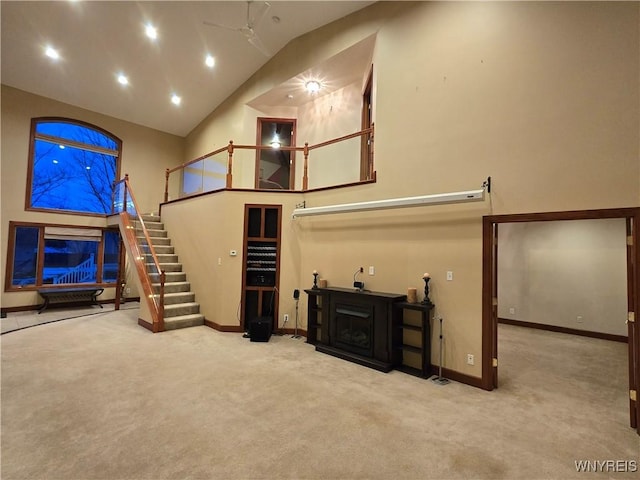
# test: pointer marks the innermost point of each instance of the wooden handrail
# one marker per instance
(206, 155)
(340, 139)
(140, 266)
(268, 147)
(231, 147)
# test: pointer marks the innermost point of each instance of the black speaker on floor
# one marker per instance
(260, 329)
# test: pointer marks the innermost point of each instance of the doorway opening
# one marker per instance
(275, 166)
(631, 217)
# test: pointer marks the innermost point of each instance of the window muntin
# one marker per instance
(60, 256)
(73, 167)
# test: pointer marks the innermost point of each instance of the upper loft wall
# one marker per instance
(330, 116)
(541, 96)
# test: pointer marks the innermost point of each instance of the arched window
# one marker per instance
(72, 167)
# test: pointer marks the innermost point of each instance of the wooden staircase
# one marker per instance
(180, 308)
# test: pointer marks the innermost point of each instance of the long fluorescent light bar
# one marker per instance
(437, 199)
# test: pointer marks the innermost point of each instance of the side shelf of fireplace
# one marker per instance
(315, 313)
(423, 331)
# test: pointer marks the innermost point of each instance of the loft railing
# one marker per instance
(135, 234)
(215, 170)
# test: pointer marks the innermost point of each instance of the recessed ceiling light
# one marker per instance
(175, 99)
(312, 86)
(209, 61)
(150, 31)
(122, 79)
(51, 52)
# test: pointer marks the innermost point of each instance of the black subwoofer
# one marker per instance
(260, 329)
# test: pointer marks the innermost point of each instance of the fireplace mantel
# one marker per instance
(354, 325)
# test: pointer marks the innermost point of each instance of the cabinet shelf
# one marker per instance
(412, 348)
(424, 329)
(416, 328)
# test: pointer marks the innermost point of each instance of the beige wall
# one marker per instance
(146, 153)
(569, 274)
(327, 117)
(542, 97)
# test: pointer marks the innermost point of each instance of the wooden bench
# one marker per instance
(70, 296)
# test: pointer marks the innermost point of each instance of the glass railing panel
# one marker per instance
(244, 168)
(118, 197)
(204, 175)
(145, 255)
(214, 172)
(192, 179)
(335, 164)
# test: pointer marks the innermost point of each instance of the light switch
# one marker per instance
(449, 275)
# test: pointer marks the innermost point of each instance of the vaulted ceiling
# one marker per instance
(99, 40)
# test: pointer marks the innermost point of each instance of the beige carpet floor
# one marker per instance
(99, 397)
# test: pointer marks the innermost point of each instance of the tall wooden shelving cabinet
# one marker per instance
(261, 263)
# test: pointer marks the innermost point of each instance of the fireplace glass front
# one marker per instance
(354, 329)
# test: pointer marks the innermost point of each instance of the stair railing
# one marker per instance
(197, 168)
(80, 273)
(141, 248)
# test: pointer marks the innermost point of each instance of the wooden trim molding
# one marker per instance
(147, 325)
(567, 330)
(461, 378)
(223, 328)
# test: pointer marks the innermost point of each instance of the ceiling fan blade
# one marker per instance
(256, 42)
(255, 21)
(227, 27)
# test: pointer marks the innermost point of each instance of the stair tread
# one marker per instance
(179, 305)
(183, 317)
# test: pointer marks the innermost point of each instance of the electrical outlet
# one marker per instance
(128, 290)
(449, 276)
(470, 359)
(512, 310)
(579, 319)
(219, 261)
(286, 318)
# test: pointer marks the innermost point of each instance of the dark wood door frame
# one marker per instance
(366, 168)
(292, 153)
(489, 281)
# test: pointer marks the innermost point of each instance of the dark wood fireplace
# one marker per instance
(354, 325)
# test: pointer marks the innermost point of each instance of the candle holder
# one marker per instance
(315, 280)
(426, 301)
